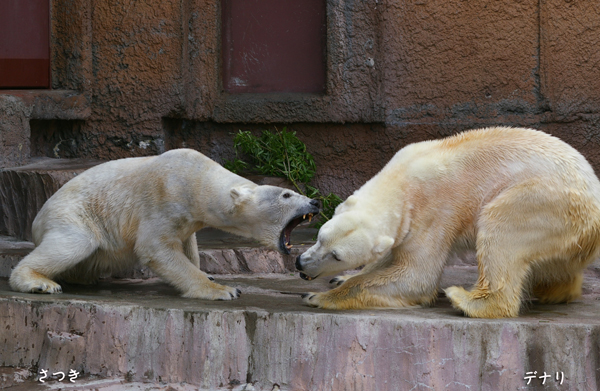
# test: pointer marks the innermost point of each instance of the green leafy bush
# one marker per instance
(281, 154)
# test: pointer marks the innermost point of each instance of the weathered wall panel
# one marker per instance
(569, 56)
(411, 69)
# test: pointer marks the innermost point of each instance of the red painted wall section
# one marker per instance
(24, 43)
(273, 45)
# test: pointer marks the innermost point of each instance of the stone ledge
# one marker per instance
(145, 332)
(11, 252)
(51, 104)
(23, 190)
(222, 261)
(18, 107)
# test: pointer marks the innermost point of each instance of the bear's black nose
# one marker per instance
(298, 264)
(314, 203)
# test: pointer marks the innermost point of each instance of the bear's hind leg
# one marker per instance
(520, 226)
(57, 253)
(562, 291)
(25, 279)
(485, 301)
(499, 288)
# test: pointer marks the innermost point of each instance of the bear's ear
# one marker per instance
(351, 201)
(383, 244)
(348, 204)
(240, 194)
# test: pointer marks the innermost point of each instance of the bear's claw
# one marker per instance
(217, 292)
(46, 288)
(339, 280)
(307, 297)
(236, 294)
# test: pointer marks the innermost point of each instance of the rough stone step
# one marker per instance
(23, 190)
(19, 107)
(12, 250)
(220, 253)
(142, 331)
(224, 253)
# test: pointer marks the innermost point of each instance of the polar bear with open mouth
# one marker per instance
(148, 209)
(528, 203)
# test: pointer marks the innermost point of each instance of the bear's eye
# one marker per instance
(335, 256)
(287, 195)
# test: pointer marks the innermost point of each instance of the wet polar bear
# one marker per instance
(526, 201)
(148, 209)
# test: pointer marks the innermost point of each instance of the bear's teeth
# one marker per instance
(310, 215)
(288, 246)
(303, 217)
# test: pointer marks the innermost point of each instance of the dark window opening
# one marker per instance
(24, 44)
(273, 45)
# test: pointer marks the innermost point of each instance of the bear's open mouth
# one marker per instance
(306, 277)
(286, 233)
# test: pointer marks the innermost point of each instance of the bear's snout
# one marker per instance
(298, 264)
(314, 203)
(299, 267)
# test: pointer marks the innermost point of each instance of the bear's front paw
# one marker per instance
(233, 293)
(236, 294)
(339, 280)
(46, 287)
(214, 292)
(311, 299)
(329, 301)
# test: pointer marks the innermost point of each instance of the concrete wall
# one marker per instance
(397, 72)
(215, 345)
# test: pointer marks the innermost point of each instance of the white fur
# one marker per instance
(148, 209)
(528, 203)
